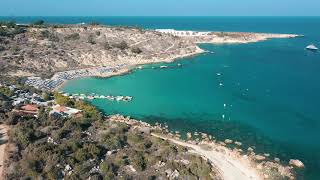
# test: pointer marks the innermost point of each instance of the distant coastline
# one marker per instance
(126, 64)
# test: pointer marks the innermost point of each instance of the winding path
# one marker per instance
(230, 168)
(3, 144)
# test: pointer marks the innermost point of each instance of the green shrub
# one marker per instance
(138, 161)
(136, 50)
(122, 45)
(72, 37)
(6, 91)
(91, 39)
(93, 150)
(81, 155)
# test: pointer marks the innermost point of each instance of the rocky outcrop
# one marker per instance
(296, 163)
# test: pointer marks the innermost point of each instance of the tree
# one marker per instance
(62, 100)
(46, 96)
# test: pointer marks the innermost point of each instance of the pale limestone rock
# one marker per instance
(296, 163)
(260, 157)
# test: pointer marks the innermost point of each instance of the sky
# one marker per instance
(160, 8)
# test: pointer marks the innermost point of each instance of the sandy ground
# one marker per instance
(4, 138)
(229, 167)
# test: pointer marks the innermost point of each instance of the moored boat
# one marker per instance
(162, 67)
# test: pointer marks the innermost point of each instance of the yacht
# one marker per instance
(312, 47)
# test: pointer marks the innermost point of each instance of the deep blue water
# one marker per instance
(271, 89)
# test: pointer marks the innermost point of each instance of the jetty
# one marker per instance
(93, 96)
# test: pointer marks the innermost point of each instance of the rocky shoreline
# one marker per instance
(246, 161)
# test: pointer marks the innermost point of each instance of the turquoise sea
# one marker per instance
(270, 96)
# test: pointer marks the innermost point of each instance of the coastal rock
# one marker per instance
(238, 143)
(296, 163)
(189, 135)
(259, 166)
(228, 141)
(204, 135)
(276, 159)
(186, 162)
(266, 154)
(260, 157)
(250, 149)
(172, 174)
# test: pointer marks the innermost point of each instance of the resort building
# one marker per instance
(28, 109)
(65, 111)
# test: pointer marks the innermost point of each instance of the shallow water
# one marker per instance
(270, 89)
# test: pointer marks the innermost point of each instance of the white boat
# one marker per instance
(119, 98)
(163, 67)
(90, 97)
(312, 47)
(110, 98)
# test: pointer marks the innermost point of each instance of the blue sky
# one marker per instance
(160, 8)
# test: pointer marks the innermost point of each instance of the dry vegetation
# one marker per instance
(48, 49)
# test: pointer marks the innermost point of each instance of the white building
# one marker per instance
(64, 111)
(182, 33)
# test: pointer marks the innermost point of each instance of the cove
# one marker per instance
(261, 94)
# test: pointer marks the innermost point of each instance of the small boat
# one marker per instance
(139, 67)
(119, 98)
(163, 67)
(110, 98)
(312, 47)
(90, 97)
